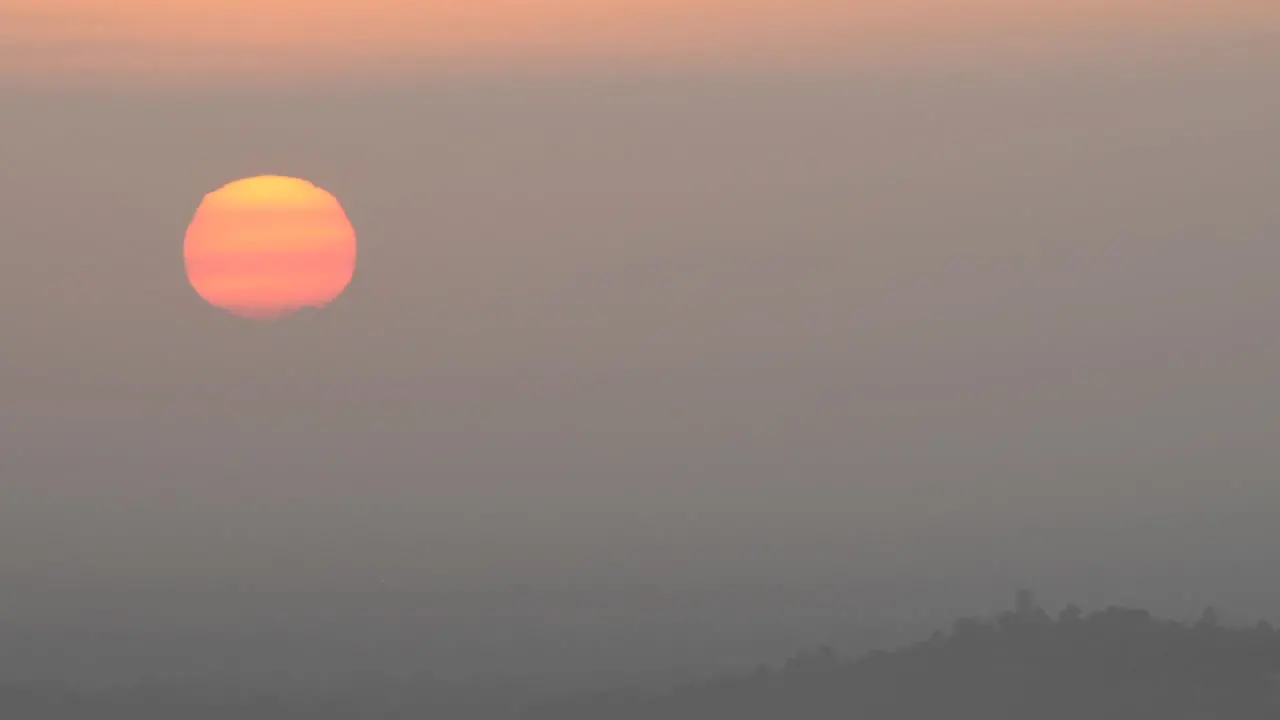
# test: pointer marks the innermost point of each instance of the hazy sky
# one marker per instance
(251, 40)
(631, 342)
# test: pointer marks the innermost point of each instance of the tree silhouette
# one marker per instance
(1117, 663)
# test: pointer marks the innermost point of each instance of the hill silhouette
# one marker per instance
(1118, 663)
(1113, 664)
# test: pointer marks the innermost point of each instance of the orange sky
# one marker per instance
(170, 37)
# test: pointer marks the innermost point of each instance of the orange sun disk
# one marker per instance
(268, 246)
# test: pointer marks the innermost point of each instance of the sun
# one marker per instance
(268, 246)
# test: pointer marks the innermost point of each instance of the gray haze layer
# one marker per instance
(739, 354)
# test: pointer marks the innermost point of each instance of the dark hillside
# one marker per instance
(1118, 663)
